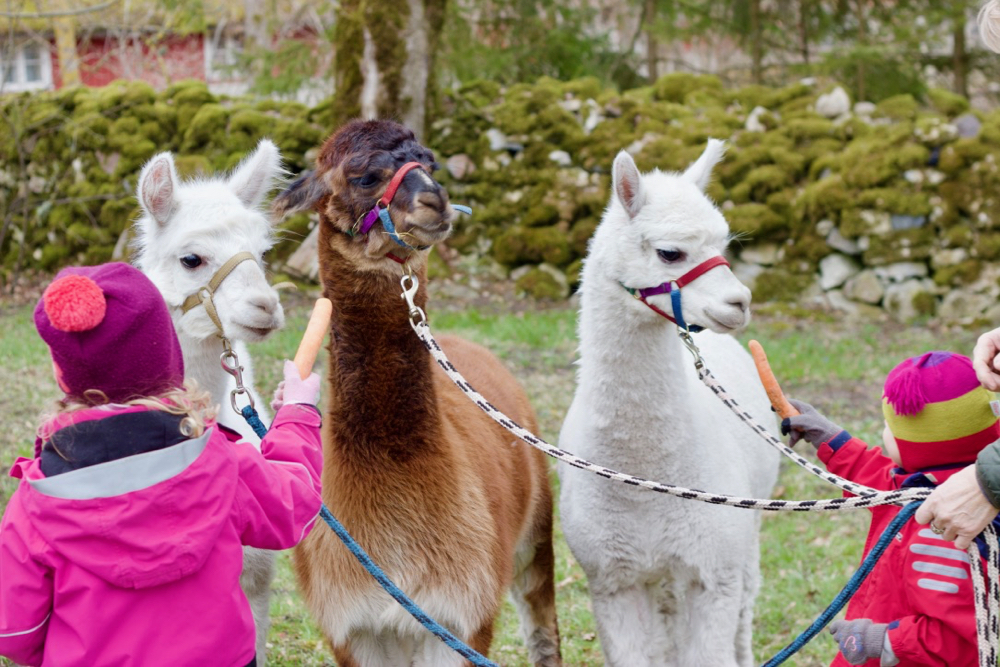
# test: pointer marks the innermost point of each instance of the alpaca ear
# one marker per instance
(628, 184)
(257, 175)
(158, 187)
(701, 171)
(301, 195)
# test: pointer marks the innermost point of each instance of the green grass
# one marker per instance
(805, 558)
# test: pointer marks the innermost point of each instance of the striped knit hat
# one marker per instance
(937, 411)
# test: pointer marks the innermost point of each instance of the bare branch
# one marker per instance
(60, 13)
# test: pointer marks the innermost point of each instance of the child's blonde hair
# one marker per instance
(191, 401)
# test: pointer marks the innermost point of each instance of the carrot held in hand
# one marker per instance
(312, 339)
(774, 393)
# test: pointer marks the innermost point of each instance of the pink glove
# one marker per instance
(294, 389)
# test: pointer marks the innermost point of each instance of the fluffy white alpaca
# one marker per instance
(673, 581)
(185, 233)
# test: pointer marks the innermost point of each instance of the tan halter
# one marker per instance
(204, 295)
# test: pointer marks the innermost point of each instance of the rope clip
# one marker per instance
(688, 341)
(410, 284)
(231, 364)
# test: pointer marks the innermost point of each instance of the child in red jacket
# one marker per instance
(916, 607)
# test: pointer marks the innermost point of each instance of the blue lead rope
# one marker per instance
(442, 633)
(850, 589)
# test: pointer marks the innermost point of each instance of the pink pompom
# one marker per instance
(74, 303)
(904, 389)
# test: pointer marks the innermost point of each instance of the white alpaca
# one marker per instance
(673, 581)
(185, 233)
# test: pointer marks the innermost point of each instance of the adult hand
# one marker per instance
(958, 508)
(985, 361)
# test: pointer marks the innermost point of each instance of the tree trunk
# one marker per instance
(859, 13)
(959, 56)
(756, 43)
(804, 31)
(385, 55)
(652, 45)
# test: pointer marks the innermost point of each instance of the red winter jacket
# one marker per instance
(921, 586)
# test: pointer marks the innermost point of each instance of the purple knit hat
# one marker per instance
(108, 328)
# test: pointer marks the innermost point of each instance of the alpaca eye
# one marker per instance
(365, 181)
(191, 261)
(670, 256)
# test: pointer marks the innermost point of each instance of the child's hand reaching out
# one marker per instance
(808, 424)
(294, 389)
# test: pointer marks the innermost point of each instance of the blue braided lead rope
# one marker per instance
(442, 633)
(254, 420)
(850, 589)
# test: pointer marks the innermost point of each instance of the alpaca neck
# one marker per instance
(631, 360)
(382, 400)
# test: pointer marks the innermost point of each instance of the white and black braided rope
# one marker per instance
(986, 591)
(868, 498)
(851, 487)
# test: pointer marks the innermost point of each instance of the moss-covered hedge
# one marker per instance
(69, 159)
(536, 167)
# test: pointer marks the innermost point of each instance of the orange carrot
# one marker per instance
(312, 339)
(771, 387)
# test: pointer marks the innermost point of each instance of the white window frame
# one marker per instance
(20, 68)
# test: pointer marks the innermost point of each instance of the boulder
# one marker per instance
(910, 299)
(902, 271)
(304, 262)
(835, 269)
(948, 257)
(837, 241)
(460, 166)
(864, 287)
(864, 108)
(967, 125)
(543, 282)
(762, 253)
(960, 306)
(834, 103)
(753, 123)
(561, 158)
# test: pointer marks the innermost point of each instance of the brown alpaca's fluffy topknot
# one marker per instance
(74, 303)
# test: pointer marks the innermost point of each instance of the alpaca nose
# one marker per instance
(433, 200)
(266, 302)
(741, 302)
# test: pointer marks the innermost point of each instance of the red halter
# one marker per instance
(673, 288)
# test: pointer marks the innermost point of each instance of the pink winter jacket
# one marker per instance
(137, 561)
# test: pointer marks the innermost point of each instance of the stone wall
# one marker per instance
(850, 204)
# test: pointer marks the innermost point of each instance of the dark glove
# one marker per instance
(860, 640)
(809, 424)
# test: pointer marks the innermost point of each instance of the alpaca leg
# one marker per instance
(625, 619)
(370, 649)
(744, 630)
(255, 580)
(533, 592)
(711, 618)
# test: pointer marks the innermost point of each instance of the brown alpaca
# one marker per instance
(454, 509)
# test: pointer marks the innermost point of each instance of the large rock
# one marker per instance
(460, 166)
(835, 269)
(761, 253)
(837, 241)
(304, 262)
(543, 282)
(942, 257)
(834, 103)
(963, 307)
(753, 123)
(910, 299)
(902, 271)
(864, 287)
(967, 125)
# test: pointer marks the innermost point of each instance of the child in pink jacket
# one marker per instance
(123, 543)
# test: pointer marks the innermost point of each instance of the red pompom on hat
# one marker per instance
(108, 329)
(74, 303)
